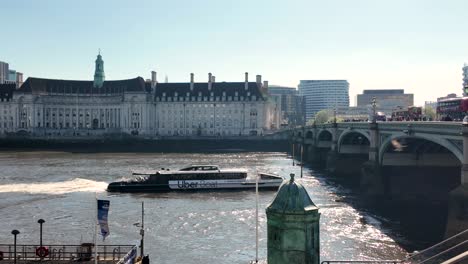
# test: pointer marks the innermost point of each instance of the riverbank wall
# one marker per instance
(259, 144)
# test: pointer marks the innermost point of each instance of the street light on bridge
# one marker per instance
(14, 233)
(40, 221)
(334, 115)
(374, 105)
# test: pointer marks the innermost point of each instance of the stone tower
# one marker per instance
(293, 226)
(99, 76)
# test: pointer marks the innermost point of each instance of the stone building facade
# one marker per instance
(69, 108)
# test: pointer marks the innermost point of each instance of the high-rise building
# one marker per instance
(10, 76)
(292, 105)
(323, 94)
(386, 99)
(465, 80)
(4, 72)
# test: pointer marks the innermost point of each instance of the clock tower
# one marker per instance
(99, 76)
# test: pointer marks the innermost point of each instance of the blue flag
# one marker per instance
(130, 257)
(103, 210)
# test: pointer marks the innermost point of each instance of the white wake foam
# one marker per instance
(70, 186)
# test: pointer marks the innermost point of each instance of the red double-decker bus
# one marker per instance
(412, 113)
(452, 109)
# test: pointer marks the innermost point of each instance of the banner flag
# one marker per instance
(102, 212)
(130, 257)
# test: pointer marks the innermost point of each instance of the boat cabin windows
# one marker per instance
(208, 176)
(200, 168)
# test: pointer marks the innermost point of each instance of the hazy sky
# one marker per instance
(417, 45)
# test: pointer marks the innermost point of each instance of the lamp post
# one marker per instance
(14, 232)
(334, 115)
(40, 221)
(374, 104)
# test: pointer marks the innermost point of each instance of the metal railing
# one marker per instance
(362, 261)
(441, 251)
(438, 253)
(66, 252)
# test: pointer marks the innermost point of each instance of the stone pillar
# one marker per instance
(293, 226)
(457, 220)
(334, 146)
(332, 156)
(374, 142)
(371, 181)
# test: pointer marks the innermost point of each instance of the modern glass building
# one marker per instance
(4, 72)
(292, 105)
(324, 94)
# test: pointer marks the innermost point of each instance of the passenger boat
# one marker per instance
(196, 177)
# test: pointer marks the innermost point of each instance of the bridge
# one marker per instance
(406, 162)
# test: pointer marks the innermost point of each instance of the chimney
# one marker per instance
(191, 81)
(246, 85)
(209, 81)
(213, 78)
(153, 79)
(265, 85)
(259, 80)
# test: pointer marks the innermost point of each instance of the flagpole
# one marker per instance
(96, 231)
(302, 160)
(256, 220)
(142, 230)
(293, 153)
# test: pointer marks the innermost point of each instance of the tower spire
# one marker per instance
(99, 76)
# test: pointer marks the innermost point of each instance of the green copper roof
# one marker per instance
(292, 198)
(99, 76)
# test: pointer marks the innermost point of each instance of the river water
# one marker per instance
(219, 227)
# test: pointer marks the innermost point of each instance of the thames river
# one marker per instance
(61, 188)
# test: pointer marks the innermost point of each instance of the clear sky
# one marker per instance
(417, 45)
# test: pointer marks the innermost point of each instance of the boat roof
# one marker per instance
(203, 169)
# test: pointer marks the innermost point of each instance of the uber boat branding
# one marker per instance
(192, 184)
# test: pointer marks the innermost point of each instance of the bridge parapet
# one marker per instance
(441, 128)
(353, 125)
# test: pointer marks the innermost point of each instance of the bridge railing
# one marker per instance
(431, 127)
(65, 252)
(442, 251)
(438, 253)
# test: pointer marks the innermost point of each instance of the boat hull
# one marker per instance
(191, 185)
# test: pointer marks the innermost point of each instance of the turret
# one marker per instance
(293, 226)
(99, 76)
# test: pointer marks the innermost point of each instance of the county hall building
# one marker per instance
(69, 108)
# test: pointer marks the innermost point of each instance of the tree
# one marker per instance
(429, 112)
(321, 117)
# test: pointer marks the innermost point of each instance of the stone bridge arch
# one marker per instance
(418, 172)
(431, 138)
(299, 134)
(324, 135)
(354, 141)
(309, 134)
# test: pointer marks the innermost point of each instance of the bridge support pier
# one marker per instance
(372, 183)
(457, 219)
(332, 155)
